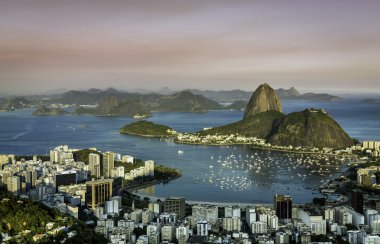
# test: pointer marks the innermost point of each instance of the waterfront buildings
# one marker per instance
(283, 207)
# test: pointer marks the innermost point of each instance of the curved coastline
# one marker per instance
(134, 187)
(251, 145)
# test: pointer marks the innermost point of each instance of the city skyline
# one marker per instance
(217, 45)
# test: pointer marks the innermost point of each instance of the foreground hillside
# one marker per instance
(25, 219)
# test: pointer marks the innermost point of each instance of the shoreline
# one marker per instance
(303, 152)
(147, 136)
(252, 146)
(143, 185)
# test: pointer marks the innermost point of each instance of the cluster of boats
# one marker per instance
(262, 169)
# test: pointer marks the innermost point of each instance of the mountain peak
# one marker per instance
(263, 99)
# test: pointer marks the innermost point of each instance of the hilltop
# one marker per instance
(185, 101)
(113, 106)
(309, 128)
(264, 98)
(284, 94)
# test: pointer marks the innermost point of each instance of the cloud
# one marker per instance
(220, 44)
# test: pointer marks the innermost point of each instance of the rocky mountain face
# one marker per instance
(106, 106)
(45, 111)
(309, 128)
(263, 99)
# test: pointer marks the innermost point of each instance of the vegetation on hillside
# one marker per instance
(83, 155)
(309, 128)
(146, 128)
(129, 166)
(45, 111)
(25, 218)
(259, 125)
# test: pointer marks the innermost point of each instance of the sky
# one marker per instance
(324, 45)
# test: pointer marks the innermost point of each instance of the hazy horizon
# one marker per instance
(315, 46)
(343, 94)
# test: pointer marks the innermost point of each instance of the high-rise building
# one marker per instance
(175, 205)
(207, 213)
(232, 224)
(155, 207)
(283, 207)
(250, 216)
(94, 164)
(97, 192)
(65, 178)
(183, 232)
(29, 178)
(108, 164)
(14, 185)
(357, 201)
(54, 156)
(202, 228)
(167, 232)
(149, 168)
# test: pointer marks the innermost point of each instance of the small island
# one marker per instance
(147, 129)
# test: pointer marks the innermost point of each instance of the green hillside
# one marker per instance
(259, 125)
(146, 128)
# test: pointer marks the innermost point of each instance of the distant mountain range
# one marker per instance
(115, 103)
(191, 100)
(284, 94)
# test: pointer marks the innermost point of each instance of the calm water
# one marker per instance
(230, 174)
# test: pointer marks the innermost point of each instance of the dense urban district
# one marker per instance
(85, 195)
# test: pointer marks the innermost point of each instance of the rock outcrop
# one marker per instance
(263, 99)
(45, 111)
